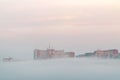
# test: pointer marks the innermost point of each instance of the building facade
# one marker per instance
(107, 53)
(51, 53)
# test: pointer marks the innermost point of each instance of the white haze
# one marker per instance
(73, 25)
(61, 69)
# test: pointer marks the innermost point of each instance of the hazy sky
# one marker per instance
(73, 25)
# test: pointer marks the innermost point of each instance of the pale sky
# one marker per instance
(73, 25)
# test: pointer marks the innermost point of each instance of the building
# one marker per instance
(9, 59)
(51, 53)
(86, 55)
(113, 53)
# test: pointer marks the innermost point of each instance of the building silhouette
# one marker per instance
(51, 53)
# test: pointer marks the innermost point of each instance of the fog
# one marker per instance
(73, 25)
(61, 69)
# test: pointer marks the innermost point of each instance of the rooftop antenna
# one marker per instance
(49, 46)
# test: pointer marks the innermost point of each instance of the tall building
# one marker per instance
(51, 53)
(107, 53)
